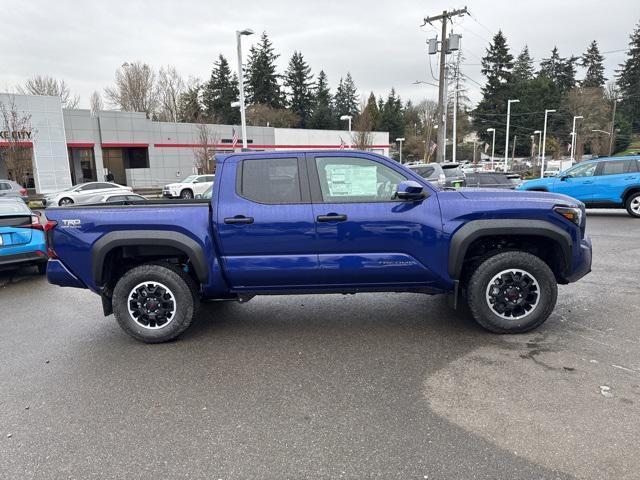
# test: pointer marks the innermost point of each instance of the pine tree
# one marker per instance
(299, 81)
(629, 81)
(189, 107)
(592, 60)
(561, 71)
(262, 85)
(345, 100)
(391, 116)
(372, 109)
(322, 116)
(497, 66)
(523, 66)
(219, 92)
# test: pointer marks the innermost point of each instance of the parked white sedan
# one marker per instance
(80, 193)
(189, 187)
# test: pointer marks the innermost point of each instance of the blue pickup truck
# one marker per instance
(320, 222)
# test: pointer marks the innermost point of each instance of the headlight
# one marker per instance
(573, 214)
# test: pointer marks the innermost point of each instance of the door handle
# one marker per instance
(331, 217)
(587, 181)
(238, 219)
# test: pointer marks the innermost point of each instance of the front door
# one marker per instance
(365, 236)
(578, 182)
(265, 223)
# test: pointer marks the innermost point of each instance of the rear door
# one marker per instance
(366, 237)
(265, 223)
(613, 177)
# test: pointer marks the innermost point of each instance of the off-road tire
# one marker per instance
(631, 202)
(488, 269)
(178, 282)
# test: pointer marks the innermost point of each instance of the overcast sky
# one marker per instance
(380, 42)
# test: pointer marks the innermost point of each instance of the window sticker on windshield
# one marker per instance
(354, 180)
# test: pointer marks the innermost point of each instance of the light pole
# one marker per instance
(243, 119)
(544, 142)
(573, 138)
(493, 145)
(506, 145)
(348, 117)
(539, 133)
(401, 139)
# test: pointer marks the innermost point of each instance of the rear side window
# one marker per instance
(5, 186)
(117, 198)
(452, 172)
(425, 172)
(272, 181)
(614, 167)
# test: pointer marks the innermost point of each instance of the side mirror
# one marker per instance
(564, 177)
(410, 190)
(195, 181)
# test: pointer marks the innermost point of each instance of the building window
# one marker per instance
(82, 165)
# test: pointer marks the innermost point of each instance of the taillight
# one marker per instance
(23, 192)
(35, 223)
(48, 232)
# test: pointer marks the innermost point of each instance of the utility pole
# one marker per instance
(613, 123)
(513, 151)
(444, 18)
(455, 109)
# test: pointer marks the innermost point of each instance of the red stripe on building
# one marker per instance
(228, 146)
(80, 145)
(125, 145)
(20, 144)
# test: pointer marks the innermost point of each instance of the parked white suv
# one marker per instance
(80, 193)
(189, 187)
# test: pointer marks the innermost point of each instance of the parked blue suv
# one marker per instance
(602, 183)
(22, 239)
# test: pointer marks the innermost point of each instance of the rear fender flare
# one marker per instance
(177, 240)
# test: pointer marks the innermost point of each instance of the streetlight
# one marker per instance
(348, 117)
(422, 82)
(401, 139)
(243, 119)
(544, 142)
(573, 138)
(506, 145)
(493, 145)
(538, 132)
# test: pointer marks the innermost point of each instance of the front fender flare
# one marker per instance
(467, 234)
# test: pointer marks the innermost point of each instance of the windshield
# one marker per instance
(452, 172)
(189, 179)
(207, 193)
(425, 172)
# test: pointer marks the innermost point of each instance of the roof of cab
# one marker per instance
(223, 157)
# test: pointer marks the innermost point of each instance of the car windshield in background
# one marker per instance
(452, 171)
(189, 179)
(12, 207)
(425, 172)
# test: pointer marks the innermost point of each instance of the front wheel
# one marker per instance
(186, 194)
(633, 205)
(512, 292)
(154, 303)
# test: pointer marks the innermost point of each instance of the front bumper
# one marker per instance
(581, 264)
(19, 259)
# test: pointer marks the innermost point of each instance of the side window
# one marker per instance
(117, 198)
(614, 167)
(4, 186)
(351, 179)
(272, 181)
(87, 187)
(209, 178)
(102, 186)
(586, 170)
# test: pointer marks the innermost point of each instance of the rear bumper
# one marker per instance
(581, 261)
(19, 259)
(57, 274)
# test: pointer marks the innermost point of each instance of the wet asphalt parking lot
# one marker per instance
(366, 386)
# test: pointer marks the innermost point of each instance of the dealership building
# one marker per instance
(71, 146)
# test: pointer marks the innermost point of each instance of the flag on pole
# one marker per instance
(234, 138)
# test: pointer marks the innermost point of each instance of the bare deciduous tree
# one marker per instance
(362, 138)
(170, 88)
(95, 103)
(204, 153)
(134, 89)
(45, 85)
(427, 112)
(16, 129)
(592, 104)
(265, 115)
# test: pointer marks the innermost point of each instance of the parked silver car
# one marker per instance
(9, 188)
(80, 193)
(116, 197)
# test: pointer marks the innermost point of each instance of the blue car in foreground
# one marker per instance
(602, 183)
(22, 240)
(319, 222)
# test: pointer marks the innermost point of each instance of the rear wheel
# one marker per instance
(186, 194)
(633, 204)
(65, 201)
(512, 292)
(154, 303)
